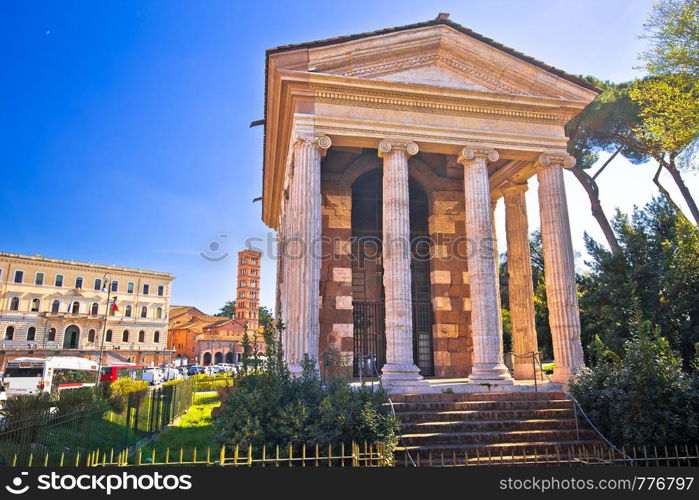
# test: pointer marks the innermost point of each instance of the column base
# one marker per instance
(391, 373)
(495, 373)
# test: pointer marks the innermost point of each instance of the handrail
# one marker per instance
(576, 404)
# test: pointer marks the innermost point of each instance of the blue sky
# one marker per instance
(124, 125)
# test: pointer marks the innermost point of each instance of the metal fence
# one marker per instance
(668, 456)
(352, 455)
(60, 437)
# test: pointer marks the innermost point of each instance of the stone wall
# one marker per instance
(336, 324)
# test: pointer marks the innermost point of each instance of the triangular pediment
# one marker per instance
(442, 56)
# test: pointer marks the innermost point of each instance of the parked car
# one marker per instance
(171, 374)
(195, 370)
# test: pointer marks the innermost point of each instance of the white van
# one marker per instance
(55, 373)
(153, 376)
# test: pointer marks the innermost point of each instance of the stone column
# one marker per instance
(400, 365)
(561, 292)
(485, 314)
(303, 250)
(521, 288)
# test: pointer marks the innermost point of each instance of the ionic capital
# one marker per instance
(509, 188)
(321, 142)
(397, 144)
(470, 153)
(555, 158)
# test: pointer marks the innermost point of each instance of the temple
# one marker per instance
(385, 155)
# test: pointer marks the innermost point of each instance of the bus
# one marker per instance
(52, 374)
(110, 373)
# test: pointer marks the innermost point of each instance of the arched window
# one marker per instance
(159, 312)
(31, 333)
(54, 306)
(94, 309)
(108, 337)
(52, 334)
(125, 336)
(36, 303)
(91, 335)
(144, 311)
(127, 311)
(9, 332)
(14, 304)
(141, 336)
(75, 309)
(156, 337)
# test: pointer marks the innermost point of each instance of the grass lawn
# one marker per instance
(194, 430)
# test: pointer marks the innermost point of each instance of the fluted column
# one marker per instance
(521, 289)
(561, 293)
(303, 251)
(485, 314)
(400, 365)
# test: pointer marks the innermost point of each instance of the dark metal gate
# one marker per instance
(369, 338)
(422, 338)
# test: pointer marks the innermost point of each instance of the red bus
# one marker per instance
(110, 373)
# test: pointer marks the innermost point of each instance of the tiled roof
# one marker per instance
(435, 22)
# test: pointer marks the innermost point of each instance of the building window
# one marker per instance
(14, 304)
(161, 290)
(146, 289)
(19, 276)
(242, 283)
(243, 271)
(130, 286)
(91, 335)
(141, 336)
(36, 303)
(159, 313)
(253, 271)
(108, 337)
(31, 333)
(115, 286)
(76, 307)
(9, 332)
(39, 279)
(125, 336)
(79, 282)
(253, 284)
(156, 337)
(144, 311)
(243, 260)
(98, 284)
(127, 312)
(94, 309)
(58, 280)
(52, 335)
(55, 305)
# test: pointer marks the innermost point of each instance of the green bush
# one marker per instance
(125, 385)
(206, 383)
(80, 399)
(173, 382)
(642, 398)
(273, 408)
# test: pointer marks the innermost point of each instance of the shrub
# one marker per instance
(173, 382)
(125, 385)
(273, 408)
(81, 399)
(206, 383)
(643, 398)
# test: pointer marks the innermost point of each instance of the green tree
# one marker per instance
(668, 128)
(265, 316)
(228, 310)
(673, 31)
(654, 278)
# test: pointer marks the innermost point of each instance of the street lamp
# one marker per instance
(107, 283)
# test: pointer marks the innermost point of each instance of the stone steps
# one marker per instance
(476, 415)
(478, 428)
(491, 404)
(487, 425)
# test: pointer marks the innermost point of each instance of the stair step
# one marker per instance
(477, 415)
(496, 437)
(483, 405)
(487, 425)
(477, 396)
(495, 449)
(514, 458)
